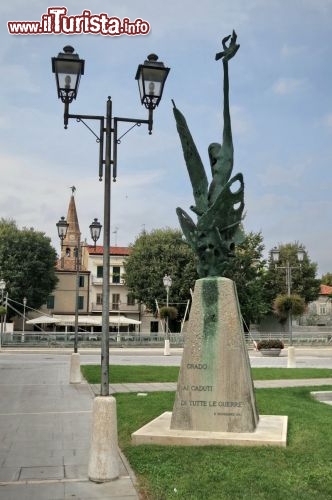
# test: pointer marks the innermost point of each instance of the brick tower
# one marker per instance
(70, 243)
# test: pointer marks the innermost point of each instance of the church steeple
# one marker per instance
(73, 236)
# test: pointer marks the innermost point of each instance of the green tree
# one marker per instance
(27, 264)
(164, 252)
(303, 275)
(154, 254)
(327, 279)
(247, 269)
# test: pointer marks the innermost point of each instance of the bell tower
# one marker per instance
(70, 243)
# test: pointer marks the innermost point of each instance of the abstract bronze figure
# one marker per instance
(218, 207)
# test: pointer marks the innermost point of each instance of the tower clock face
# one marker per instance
(72, 237)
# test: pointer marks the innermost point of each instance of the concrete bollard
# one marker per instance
(291, 361)
(75, 369)
(167, 351)
(104, 454)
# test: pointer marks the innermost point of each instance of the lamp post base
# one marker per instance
(291, 360)
(167, 350)
(75, 369)
(104, 454)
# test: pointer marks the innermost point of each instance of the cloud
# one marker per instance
(327, 120)
(288, 51)
(285, 86)
(12, 76)
(276, 175)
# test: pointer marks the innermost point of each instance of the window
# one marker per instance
(154, 325)
(50, 302)
(99, 271)
(67, 252)
(322, 309)
(130, 299)
(81, 283)
(116, 274)
(81, 302)
(99, 299)
(115, 301)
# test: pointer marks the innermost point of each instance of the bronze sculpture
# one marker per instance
(218, 208)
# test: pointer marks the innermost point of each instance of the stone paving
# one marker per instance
(45, 434)
(45, 421)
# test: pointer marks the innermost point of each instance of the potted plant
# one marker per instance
(270, 347)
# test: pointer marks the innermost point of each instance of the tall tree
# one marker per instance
(154, 254)
(303, 275)
(327, 279)
(27, 264)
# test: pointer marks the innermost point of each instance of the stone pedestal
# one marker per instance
(215, 402)
(215, 389)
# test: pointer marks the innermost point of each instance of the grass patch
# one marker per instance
(142, 373)
(121, 374)
(302, 470)
(290, 373)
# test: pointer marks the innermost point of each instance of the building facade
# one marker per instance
(319, 312)
(81, 264)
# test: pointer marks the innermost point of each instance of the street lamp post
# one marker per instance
(275, 254)
(151, 77)
(23, 328)
(2, 289)
(95, 229)
(167, 280)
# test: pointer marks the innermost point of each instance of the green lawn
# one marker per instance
(142, 373)
(301, 471)
(124, 374)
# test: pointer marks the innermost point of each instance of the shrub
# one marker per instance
(283, 304)
(270, 344)
(168, 312)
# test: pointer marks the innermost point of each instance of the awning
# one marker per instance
(42, 320)
(122, 320)
(69, 320)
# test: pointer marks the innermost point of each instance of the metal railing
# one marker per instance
(86, 339)
(298, 338)
(120, 339)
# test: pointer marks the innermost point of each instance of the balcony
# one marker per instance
(119, 308)
(99, 281)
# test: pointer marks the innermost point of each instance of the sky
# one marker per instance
(280, 103)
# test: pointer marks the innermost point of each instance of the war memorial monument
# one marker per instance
(215, 400)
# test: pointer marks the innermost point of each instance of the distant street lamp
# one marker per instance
(62, 227)
(95, 229)
(23, 328)
(151, 77)
(167, 281)
(2, 289)
(275, 254)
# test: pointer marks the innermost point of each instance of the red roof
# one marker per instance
(325, 290)
(99, 250)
